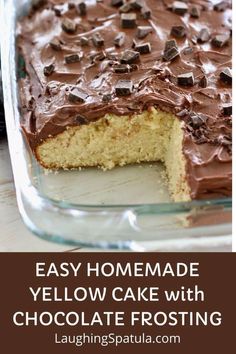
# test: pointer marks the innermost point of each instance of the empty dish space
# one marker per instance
(133, 184)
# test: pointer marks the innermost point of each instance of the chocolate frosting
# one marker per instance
(47, 111)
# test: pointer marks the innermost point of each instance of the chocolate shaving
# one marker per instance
(227, 109)
(195, 12)
(128, 20)
(220, 40)
(126, 8)
(203, 82)
(186, 79)
(221, 6)
(121, 68)
(124, 87)
(49, 69)
(179, 7)
(77, 96)
(71, 5)
(203, 36)
(57, 11)
(73, 58)
(107, 97)
(36, 6)
(136, 4)
(82, 8)
(143, 31)
(119, 40)
(226, 76)
(143, 48)
(188, 50)
(129, 57)
(98, 40)
(55, 45)
(68, 26)
(178, 31)
(81, 120)
(84, 41)
(146, 13)
(171, 51)
(117, 3)
(170, 44)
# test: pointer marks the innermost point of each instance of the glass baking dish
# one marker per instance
(126, 208)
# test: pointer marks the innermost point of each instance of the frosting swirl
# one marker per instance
(47, 109)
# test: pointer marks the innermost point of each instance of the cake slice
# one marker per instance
(111, 83)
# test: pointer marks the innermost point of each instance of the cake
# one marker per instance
(113, 82)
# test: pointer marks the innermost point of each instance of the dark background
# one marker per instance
(217, 279)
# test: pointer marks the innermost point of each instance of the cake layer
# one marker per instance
(122, 60)
(118, 141)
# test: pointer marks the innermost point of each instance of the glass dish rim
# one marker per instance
(28, 194)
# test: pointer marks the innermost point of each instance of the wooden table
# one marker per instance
(14, 236)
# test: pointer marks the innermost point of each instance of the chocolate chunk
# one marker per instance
(133, 67)
(126, 8)
(104, 65)
(146, 13)
(107, 97)
(226, 76)
(143, 31)
(220, 40)
(188, 50)
(73, 58)
(143, 48)
(136, 4)
(178, 31)
(129, 57)
(186, 79)
(71, 5)
(203, 82)
(82, 8)
(57, 11)
(84, 41)
(77, 95)
(170, 44)
(170, 54)
(100, 56)
(128, 20)
(119, 40)
(97, 39)
(196, 121)
(221, 6)
(124, 87)
(183, 113)
(134, 44)
(225, 141)
(121, 68)
(194, 39)
(68, 26)
(195, 12)
(117, 3)
(49, 69)
(55, 44)
(179, 7)
(203, 36)
(112, 56)
(97, 56)
(227, 109)
(81, 120)
(36, 5)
